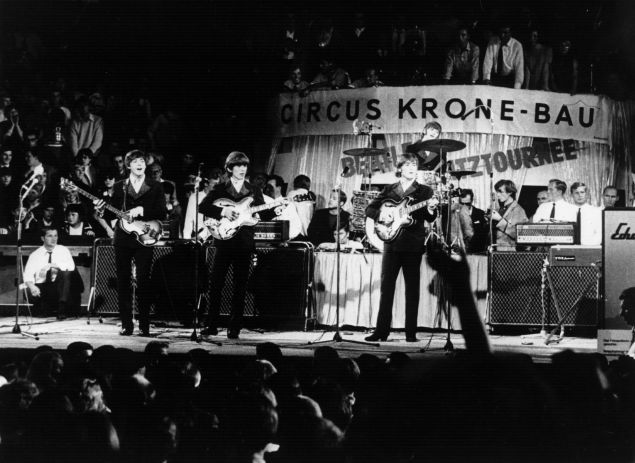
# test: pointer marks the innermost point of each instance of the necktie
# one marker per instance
(579, 223)
(499, 64)
(49, 275)
(553, 211)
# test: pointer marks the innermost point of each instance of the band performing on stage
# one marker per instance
(425, 207)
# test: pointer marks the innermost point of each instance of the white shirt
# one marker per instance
(76, 231)
(37, 265)
(590, 225)
(136, 182)
(190, 217)
(513, 60)
(290, 213)
(565, 212)
(304, 209)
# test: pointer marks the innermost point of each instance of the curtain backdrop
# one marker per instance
(596, 164)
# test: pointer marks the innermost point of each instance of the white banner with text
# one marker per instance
(458, 108)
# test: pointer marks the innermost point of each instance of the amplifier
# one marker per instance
(575, 256)
(546, 233)
(274, 231)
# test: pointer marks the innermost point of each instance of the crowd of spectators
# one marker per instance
(357, 52)
(109, 404)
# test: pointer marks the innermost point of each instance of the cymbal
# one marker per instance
(365, 152)
(461, 173)
(447, 145)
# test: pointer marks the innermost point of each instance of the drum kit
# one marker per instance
(432, 156)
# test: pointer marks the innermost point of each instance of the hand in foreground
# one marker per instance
(229, 212)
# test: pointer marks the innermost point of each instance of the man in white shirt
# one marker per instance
(556, 210)
(274, 187)
(589, 217)
(305, 209)
(47, 274)
(87, 130)
(503, 65)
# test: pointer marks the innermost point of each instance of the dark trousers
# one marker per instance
(500, 80)
(123, 261)
(391, 263)
(240, 257)
(53, 294)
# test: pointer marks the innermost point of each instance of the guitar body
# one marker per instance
(392, 218)
(147, 233)
(223, 228)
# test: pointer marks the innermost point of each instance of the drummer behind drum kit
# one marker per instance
(434, 174)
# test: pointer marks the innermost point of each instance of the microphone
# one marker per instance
(345, 171)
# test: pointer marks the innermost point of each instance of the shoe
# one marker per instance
(144, 332)
(232, 334)
(61, 316)
(126, 331)
(376, 337)
(209, 331)
(144, 328)
(412, 338)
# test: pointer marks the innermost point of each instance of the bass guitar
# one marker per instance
(146, 232)
(224, 228)
(395, 216)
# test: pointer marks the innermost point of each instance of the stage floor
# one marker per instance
(58, 334)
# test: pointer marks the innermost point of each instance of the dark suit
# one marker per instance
(320, 229)
(237, 251)
(478, 244)
(405, 252)
(124, 198)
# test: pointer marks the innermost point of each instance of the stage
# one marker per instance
(58, 334)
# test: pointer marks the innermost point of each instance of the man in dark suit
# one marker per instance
(405, 251)
(478, 243)
(323, 223)
(236, 250)
(142, 199)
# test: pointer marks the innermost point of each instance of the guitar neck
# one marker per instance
(416, 206)
(115, 211)
(263, 207)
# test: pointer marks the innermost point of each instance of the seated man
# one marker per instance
(346, 244)
(47, 274)
(323, 223)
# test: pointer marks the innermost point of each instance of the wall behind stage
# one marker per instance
(528, 153)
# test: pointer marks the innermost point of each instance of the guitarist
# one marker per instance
(142, 198)
(405, 251)
(238, 249)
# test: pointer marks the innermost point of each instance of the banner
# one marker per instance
(618, 268)
(458, 108)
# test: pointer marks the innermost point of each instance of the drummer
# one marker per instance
(431, 131)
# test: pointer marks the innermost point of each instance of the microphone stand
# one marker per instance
(337, 337)
(195, 336)
(19, 279)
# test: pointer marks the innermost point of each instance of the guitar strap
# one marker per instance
(125, 194)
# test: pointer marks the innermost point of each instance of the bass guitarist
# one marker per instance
(142, 198)
(403, 252)
(236, 250)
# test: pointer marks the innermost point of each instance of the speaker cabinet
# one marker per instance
(515, 288)
(280, 278)
(517, 294)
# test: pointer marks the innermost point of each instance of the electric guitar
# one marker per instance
(224, 228)
(395, 216)
(146, 232)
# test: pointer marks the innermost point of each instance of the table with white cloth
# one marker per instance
(360, 280)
